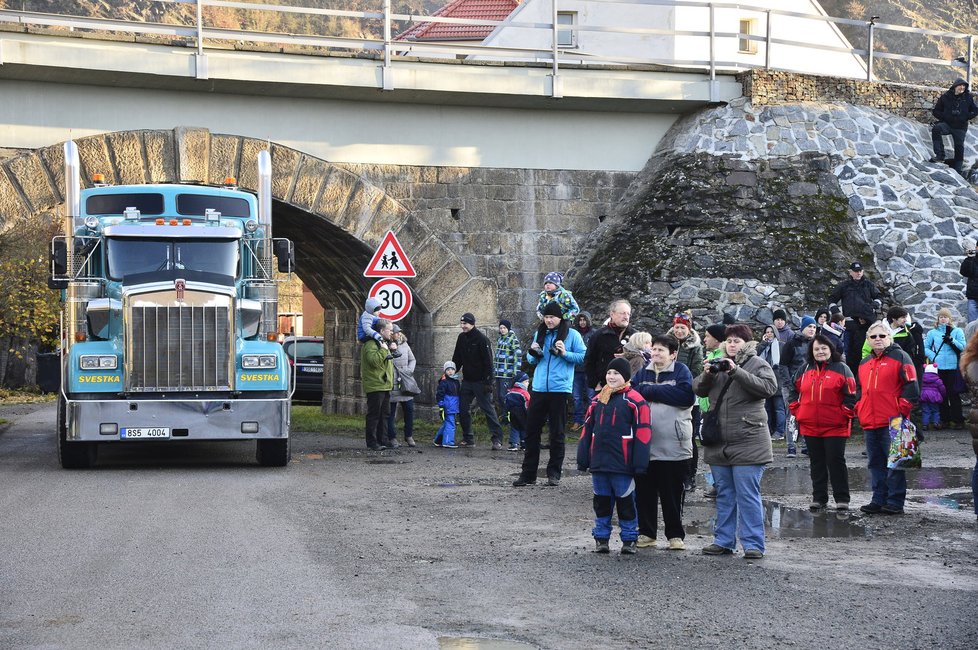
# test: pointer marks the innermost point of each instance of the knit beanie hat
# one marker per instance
(717, 331)
(622, 367)
(507, 324)
(467, 318)
(553, 309)
(521, 378)
(683, 318)
(930, 368)
(555, 277)
(739, 330)
(780, 313)
(449, 364)
(806, 321)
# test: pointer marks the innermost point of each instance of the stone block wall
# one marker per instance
(769, 87)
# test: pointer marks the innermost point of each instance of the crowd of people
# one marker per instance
(644, 403)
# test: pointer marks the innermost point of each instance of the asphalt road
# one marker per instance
(195, 546)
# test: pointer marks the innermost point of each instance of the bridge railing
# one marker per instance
(712, 47)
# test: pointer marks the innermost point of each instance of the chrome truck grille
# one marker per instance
(179, 345)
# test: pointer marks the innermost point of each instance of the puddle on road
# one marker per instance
(476, 643)
(955, 501)
(797, 480)
(782, 521)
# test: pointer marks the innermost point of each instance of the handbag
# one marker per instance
(710, 434)
(904, 444)
(408, 385)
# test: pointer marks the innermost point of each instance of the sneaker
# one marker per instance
(376, 447)
(842, 507)
(496, 446)
(777, 437)
(553, 481)
(753, 554)
(466, 443)
(436, 443)
(817, 506)
(935, 159)
(716, 549)
(393, 443)
(522, 482)
(514, 448)
(410, 442)
(891, 510)
(872, 508)
(601, 546)
(450, 445)
(710, 493)
(676, 544)
(644, 541)
(628, 548)
(804, 452)
(689, 484)
(791, 454)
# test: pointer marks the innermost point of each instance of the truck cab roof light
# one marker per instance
(173, 222)
(80, 337)
(160, 222)
(272, 336)
(231, 182)
(186, 222)
(98, 180)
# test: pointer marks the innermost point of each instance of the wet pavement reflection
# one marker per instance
(797, 480)
(476, 643)
(782, 521)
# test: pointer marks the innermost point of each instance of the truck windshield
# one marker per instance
(135, 256)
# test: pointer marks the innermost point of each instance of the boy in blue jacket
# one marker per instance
(614, 445)
(447, 396)
(516, 402)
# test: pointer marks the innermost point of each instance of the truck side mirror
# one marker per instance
(285, 255)
(58, 258)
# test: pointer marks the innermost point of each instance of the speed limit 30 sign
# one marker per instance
(395, 298)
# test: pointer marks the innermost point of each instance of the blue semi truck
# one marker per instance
(170, 317)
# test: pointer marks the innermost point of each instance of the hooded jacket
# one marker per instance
(942, 351)
(508, 355)
(858, 298)
(690, 350)
(615, 437)
(669, 393)
(365, 324)
(822, 399)
(586, 335)
(742, 414)
(889, 387)
(376, 367)
(554, 373)
(956, 110)
(932, 389)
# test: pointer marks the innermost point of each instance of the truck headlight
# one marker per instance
(259, 361)
(98, 362)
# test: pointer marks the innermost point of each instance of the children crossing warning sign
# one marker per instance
(390, 260)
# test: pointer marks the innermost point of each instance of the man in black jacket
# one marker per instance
(969, 269)
(861, 303)
(607, 342)
(473, 359)
(953, 110)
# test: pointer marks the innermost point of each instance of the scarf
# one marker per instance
(607, 392)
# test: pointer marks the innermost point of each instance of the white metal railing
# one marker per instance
(199, 33)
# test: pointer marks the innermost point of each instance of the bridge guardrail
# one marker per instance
(200, 31)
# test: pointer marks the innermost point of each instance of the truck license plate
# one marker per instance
(316, 370)
(144, 433)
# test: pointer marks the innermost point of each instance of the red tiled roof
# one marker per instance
(471, 9)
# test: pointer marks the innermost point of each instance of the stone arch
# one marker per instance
(335, 217)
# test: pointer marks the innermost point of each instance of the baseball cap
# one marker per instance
(856, 266)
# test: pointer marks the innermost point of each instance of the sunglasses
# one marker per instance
(878, 336)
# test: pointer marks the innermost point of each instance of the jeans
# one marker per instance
(479, 391)
(775, 415)
(889, 485)
(740, 511)
(938, 131)
(663, 482)
(610, 490)
(931, 413)
(827, 458)
(408, 408)
(583, 394)
(972, 310)
(544, 407)
(378, 410)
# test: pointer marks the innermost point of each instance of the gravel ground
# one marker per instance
(412, 547)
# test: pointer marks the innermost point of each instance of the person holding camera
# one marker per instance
(553, 383)
(953, 110)
(969, 269)
(944, 345)
(738, 459)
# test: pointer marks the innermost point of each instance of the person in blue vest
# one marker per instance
(553, 382)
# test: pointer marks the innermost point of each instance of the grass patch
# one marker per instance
(26, 395)
(310, 419)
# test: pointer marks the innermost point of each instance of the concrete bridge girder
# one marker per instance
(336, 219)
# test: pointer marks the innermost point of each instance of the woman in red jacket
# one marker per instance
(822, 396)
(889, 383)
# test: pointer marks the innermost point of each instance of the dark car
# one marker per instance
(305, 355)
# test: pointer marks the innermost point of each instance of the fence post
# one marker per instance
(714, 95)
(200, 59)
(971, 53)
(767, 42)
(869, 48)
(556, 86)
(387, 73)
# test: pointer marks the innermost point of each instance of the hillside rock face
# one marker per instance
(743, 210)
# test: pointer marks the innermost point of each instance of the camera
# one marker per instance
(970, 252)
(718, 365)
(554, 351)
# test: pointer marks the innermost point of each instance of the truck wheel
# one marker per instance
(73, 455)
(274, 453)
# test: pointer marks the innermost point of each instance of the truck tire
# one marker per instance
(274, 453)
(73, 455)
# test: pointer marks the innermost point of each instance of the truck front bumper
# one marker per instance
(186, 419)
